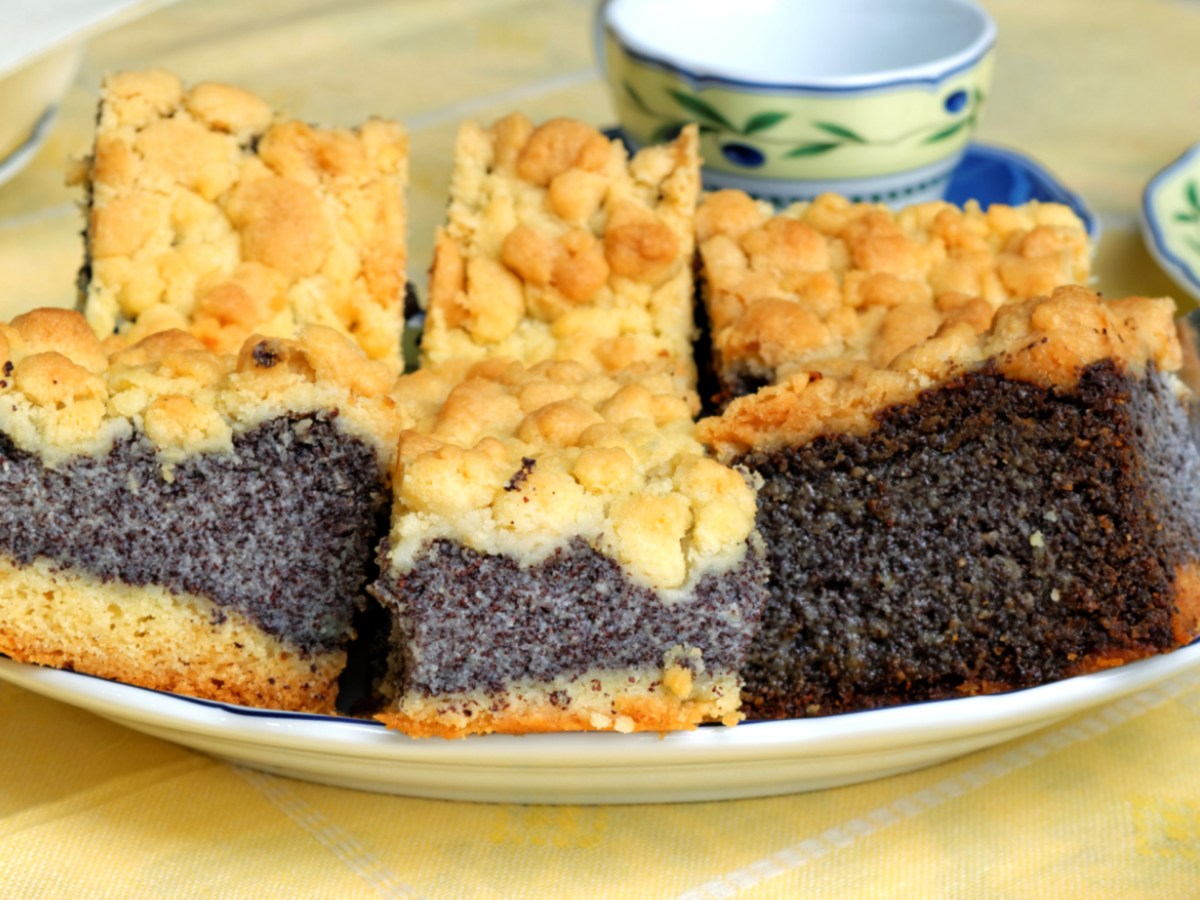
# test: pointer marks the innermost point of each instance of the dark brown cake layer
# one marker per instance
(281, 530)
(991, 535)
(466, 622)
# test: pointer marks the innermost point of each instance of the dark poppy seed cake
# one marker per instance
(187, 521)
(826, 284)
(564, 556)
(209, 213)
(559, 246)
(987, 512)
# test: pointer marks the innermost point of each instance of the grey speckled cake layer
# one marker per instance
(281, 530)
(469, 622)
(991, 535)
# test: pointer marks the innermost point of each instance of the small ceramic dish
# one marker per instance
(990, 174)
(875, 99)
(1171, 220)
(40, 53)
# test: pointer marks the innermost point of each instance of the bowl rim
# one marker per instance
(929, 73)
(61, 25)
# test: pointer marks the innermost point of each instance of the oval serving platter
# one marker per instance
(755, 759)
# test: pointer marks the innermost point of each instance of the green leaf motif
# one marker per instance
(1187, 217)
(947, 132)
(637, 98)
(810, 150)
(1193, 196)
(762, 121)
(841, 131)
(666, 132)
(702, 110)
(1193, 243)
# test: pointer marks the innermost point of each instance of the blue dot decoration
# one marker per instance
(743, 155)
(955, 102)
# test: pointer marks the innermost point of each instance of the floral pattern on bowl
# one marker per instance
(1171, 220)
(890, 130)
(858, 97)
(749, 149)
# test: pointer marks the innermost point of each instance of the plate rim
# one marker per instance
(909, 726)
(1049, 178)
(60, 24)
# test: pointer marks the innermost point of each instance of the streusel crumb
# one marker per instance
(833, 281)
(64, 396)
(209, 214)
(1046, 341)
(559, 247)
(520, 461)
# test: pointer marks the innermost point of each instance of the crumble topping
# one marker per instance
(557, 246)
(831, 281)
(518, 461)
(68, 394)
(1045, 341)
(210, 215)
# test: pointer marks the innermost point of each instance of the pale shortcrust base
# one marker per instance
(669, 699)
(153, 638)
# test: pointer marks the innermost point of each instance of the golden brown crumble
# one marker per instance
(66, 395)
(519, 461)
(209, 215)
(558, 246)
(831, 281)
(1046, 341)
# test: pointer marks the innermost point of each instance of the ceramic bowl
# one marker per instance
(41, 46)
(1171, 221)
(873, 99)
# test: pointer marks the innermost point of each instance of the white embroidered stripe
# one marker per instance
(1020, 757)
(344, 846)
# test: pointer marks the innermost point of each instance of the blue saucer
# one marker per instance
(989, 174)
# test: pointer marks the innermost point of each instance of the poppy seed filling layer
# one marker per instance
(991, 535)
(293, 512)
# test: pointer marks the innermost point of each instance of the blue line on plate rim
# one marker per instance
(289, 716)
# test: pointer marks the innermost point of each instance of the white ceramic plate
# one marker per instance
(1171, 220)
(752, 760)
(21, 155)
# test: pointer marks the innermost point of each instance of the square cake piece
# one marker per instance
(826, 284)
(563, 556)
(208, 213)
(558, 246)
(187, 521)
(986, 512)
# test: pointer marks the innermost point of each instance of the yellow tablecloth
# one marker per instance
(1105, 804)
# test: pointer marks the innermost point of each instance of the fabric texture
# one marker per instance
(1103, 804)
